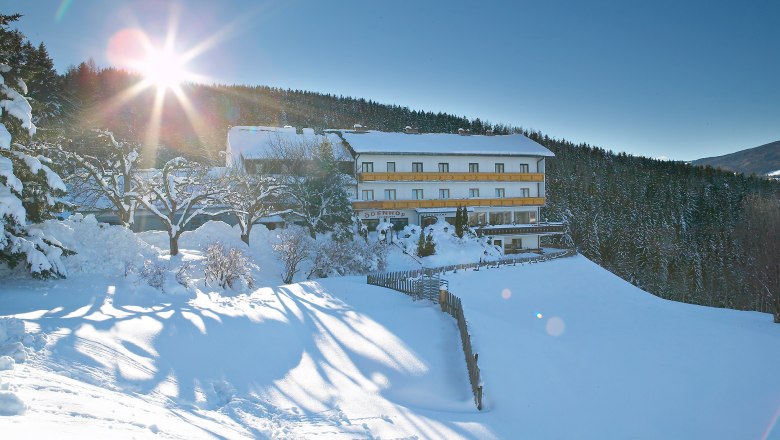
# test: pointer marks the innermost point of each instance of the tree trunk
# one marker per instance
(174, 244)
(245, 234)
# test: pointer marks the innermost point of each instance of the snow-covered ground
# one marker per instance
(567, 350)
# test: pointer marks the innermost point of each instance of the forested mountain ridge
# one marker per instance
(760, 160)
(677, 230)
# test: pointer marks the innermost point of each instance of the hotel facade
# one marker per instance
(412, 178)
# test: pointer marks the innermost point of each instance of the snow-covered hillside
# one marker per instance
(567, 350)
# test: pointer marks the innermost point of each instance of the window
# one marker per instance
(500, 193)
(523, 167)
(368, 194)
(389, 194)
(473, 193)
(368, 167)
(501, 218)
(444, 167)
(444, 194)
(417, 194)
(417, 167)
(476, 218)
(525, 192)
(522, 217)
(499, 168)
(391, 167)
(473, 168)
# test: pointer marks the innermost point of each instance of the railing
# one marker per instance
(419, 284)
(451, 177)
(447, 203)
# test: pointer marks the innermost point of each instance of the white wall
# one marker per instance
(458, 164)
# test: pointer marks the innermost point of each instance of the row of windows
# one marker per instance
(417, 194)
(502, 218)
(444, 167)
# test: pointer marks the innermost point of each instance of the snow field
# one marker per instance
(569, 350)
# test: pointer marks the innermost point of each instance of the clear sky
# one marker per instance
(681, 79)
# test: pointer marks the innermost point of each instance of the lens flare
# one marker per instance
(555, 326)
(506, 294)
(539, 315)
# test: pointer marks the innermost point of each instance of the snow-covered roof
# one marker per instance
(256, 141)
(442, 143)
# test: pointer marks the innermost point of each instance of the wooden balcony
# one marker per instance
(539, 228)
(451, 177)
(447, 203)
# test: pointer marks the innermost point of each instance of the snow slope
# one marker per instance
(569, 350)
(335, 358)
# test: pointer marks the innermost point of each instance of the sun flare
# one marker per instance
(163, 69)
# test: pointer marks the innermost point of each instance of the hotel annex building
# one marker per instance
(420, 178)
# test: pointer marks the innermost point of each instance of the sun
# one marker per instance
(163, 69)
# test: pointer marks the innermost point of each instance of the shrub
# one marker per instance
(154, 274)
(226, 268)
(292, 247)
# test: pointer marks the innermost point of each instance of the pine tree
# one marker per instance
(430, 246)
(421, 249)
(29, 188)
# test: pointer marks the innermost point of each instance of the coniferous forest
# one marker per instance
(681, 232)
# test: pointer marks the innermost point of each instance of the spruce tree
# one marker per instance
(421, 249)
(29, 188)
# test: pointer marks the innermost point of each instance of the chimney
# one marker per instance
(409, 130)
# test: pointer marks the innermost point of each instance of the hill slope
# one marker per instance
(759, 160)
(336, 358)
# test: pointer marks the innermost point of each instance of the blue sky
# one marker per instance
(681, 79)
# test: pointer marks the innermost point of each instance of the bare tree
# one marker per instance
(179, 193)
(110, 177)
(293, 246)
(249, 197)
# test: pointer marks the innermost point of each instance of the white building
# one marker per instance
(405, 178)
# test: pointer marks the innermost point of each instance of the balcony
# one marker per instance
(447, 203)
(451, 177)
(538, 228)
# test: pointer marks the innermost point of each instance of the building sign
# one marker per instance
(380, 213)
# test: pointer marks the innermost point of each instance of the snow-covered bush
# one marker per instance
(292, 246)
(184, 274)
(338, 258)
(99, 247)
(227, 268)
(153, 274)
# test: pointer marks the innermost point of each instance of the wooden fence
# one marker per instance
(426, 283)
(451, 304)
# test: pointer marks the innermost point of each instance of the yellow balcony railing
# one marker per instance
(447, 203)
(453, 177)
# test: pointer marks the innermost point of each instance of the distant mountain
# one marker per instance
(760, 160)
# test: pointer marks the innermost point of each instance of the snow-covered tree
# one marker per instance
(109, 176)
(313, 185)
(250, 197)
(179, 193)
(292, 247)
(29, 188)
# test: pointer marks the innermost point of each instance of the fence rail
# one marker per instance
(452, 305)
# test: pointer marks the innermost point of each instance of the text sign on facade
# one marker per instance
(377, 214)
